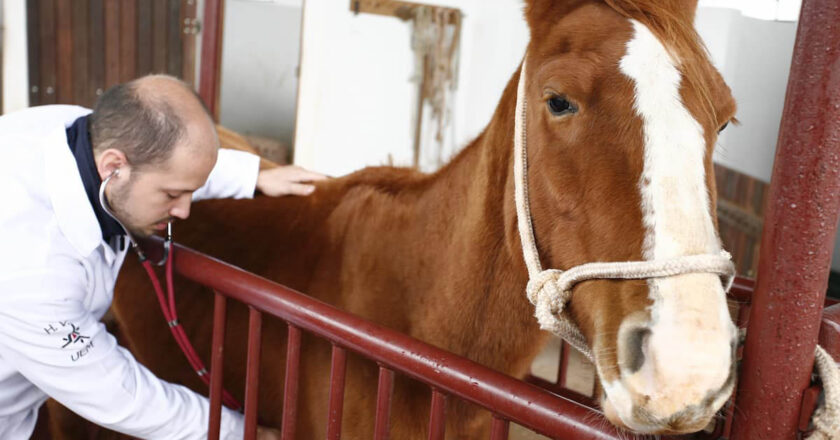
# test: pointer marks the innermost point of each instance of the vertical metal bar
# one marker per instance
(336, 405)
(382, 428)
(437, 417)
(252, 376)
(216, 365)
(499, 429)
(563, 365)
(290, 387)
(798, 236)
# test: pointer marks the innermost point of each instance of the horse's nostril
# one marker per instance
(634, 353)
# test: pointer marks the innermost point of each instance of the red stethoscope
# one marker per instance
(167, 303)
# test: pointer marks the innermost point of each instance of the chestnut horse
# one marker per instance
(625, 108)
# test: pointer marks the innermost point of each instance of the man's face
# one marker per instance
(146, 199)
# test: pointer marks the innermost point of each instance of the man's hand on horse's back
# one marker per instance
(267, 433)
(287, 180)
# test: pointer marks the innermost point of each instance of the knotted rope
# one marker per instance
(550, 290)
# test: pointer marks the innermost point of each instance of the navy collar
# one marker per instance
(78, 138)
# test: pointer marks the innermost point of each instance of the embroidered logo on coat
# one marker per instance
(74, 336)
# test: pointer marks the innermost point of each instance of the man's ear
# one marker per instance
(112, 161)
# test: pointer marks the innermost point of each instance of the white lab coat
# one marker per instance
(56, 281)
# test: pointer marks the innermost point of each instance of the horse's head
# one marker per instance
(623, 111)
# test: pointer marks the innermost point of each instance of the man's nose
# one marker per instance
(181, 209)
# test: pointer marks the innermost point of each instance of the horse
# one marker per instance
(623, 111)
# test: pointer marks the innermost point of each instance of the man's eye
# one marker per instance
(172, 196)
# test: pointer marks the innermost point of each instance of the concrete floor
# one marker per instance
(580, 378)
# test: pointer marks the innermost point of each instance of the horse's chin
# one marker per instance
(632, 424)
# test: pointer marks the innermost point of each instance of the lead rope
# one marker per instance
(550, 290)
(826, 418)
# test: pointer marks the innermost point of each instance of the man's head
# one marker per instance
(157, 133)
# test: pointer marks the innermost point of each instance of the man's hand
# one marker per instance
(287, 180)
(267, 433)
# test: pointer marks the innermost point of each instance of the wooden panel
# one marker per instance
(128, 40)
(46, 11)
(188, 39)
(173, 39)
(96, 39)
(740, 213)
(159, 10)
(112, 43)
(211, 55)
(33, 45)
(81, 56)
(144, 37)
(64, 51)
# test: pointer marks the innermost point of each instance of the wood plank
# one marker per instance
(211, 55)
(128, 40)
(64, 51)
(80, 62)
(33, 47)
(112, 43)
(144, 37)
(96, 39)
(47, 44)
(188, 39)
(159, 11)
(173, 38)
(393, 8)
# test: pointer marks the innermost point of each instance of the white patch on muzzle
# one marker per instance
(687, 355)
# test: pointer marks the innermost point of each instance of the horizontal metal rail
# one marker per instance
(509, 399)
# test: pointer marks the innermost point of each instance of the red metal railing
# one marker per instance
(448, 375)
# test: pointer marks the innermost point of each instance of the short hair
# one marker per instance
(146, 129)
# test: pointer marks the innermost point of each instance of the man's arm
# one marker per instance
(234, 176)
(237, 175)
(49, 337)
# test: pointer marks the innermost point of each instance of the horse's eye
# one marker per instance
(559, 106)
(723, 127)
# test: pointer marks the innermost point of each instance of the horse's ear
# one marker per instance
(544, 13)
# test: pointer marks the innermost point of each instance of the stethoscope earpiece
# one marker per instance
(167, 243)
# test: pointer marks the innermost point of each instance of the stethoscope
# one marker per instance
(167, 242)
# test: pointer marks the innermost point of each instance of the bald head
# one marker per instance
(149, 118)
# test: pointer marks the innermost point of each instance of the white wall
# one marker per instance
(260, 49)
(754, 57)
(15, 73)
(356, 102)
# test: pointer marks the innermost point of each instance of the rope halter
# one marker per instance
(550, 290)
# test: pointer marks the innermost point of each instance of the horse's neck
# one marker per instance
(450, 249)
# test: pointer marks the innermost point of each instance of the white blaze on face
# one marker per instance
(687, 355)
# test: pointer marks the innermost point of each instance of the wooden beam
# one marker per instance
(394, 8)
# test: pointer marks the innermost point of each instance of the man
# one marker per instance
(154, 145)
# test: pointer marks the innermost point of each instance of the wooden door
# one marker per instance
(80, 48)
